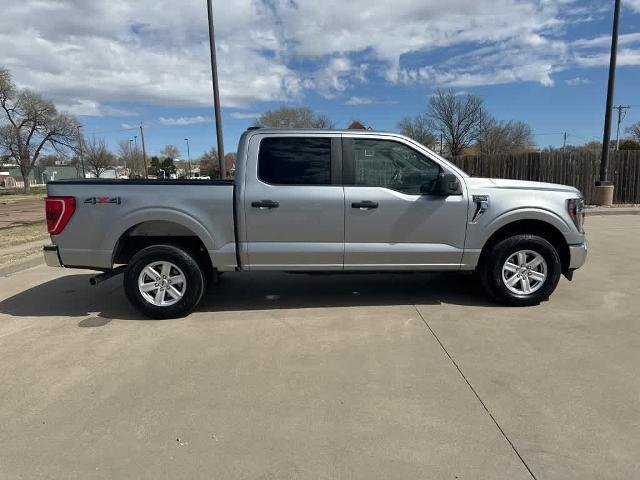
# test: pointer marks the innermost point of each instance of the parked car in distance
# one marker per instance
(318, 200)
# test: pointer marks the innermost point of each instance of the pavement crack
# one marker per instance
(455, 364)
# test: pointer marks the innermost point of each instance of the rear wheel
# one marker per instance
(521, 270)
(163, 281)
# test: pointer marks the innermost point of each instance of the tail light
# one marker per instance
(58, 210)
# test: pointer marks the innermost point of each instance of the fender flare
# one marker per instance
(158, 214)
(526, 213)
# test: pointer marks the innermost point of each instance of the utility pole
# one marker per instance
(144, 151)
(564, 141)
(440, 143)
(80, 150)
(621, 114)
(481, 132)
(188, 155)
(216, 94)
(132, 158)
(604, 188)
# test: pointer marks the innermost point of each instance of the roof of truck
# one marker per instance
(321, 130)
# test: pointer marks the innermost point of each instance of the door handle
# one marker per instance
(264, 204)
(365, 205)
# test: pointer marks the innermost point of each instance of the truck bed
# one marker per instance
(106, 210)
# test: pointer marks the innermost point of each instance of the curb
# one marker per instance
(613, 211)
(23, 247)
(23, 265)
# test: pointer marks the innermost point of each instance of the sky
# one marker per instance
(117, 63)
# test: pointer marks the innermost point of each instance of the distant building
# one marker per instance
(356, 125)
(58, 172)
(10, 181)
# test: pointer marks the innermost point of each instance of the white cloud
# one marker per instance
(355, 100)
(360, 101)
(604, 41)
(185, 120)
(577, 81)
(86, 54)
(595, 52)
(633, 5)
(244, 115)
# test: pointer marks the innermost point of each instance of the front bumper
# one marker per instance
(577, 255)
(51, 257)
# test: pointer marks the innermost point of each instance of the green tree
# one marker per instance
(154, 166)
(593, 145)
(630, 145)
(168, 166)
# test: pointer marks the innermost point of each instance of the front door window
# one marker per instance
(389, 164)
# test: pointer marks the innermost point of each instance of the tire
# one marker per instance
(511, 283)
(171, 297)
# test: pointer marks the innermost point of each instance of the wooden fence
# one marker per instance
(579, 169)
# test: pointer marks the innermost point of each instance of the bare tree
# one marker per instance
(505, 137)
(457, 116)
(131, 157)
(170, 151)
(286, 117)
(230, 163)
(209, 164)
(418, 129)
(31, 124)
(97, 156)
(634, 131)
(48, 160)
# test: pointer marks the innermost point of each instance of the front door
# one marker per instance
(294, 203)
(392, 220)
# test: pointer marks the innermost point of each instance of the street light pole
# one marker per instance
(216, 93)
(604, 188)
(144, 152)
(80, 151)
(188, 155)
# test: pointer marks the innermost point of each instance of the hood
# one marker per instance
(503, 183)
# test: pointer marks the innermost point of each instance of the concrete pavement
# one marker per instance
(354, 376)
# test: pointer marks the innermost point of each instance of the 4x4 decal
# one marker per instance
(94, 200)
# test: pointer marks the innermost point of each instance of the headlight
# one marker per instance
(575, 207)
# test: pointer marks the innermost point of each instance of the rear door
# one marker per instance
(294, 202)
(392, 220)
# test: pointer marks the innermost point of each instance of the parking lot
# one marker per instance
(280, 376)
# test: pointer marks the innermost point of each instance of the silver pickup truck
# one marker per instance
(318, 200)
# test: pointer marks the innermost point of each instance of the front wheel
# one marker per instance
(521, 270)
(163, 281)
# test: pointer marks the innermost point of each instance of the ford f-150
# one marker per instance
(318, 200)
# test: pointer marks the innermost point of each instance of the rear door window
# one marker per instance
(295, 161)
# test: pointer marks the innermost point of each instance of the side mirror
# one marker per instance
(447, 184)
